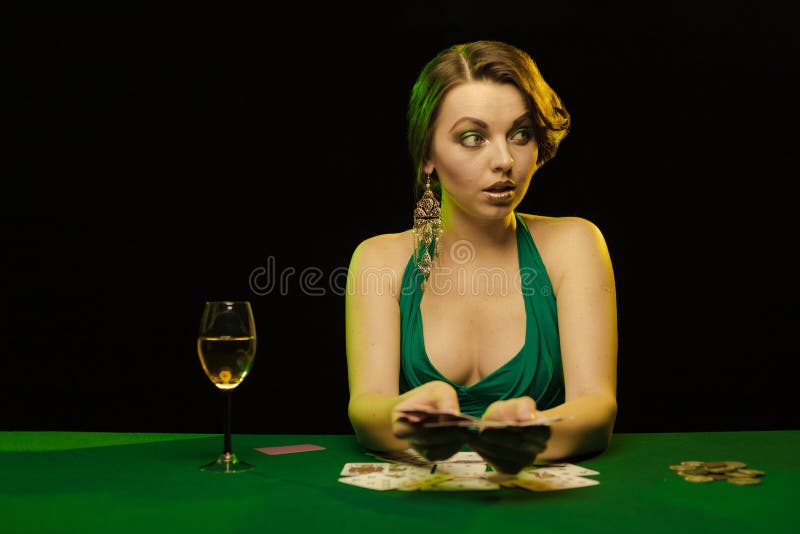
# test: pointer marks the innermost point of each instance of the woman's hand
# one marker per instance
(432, 443)
(510, 449)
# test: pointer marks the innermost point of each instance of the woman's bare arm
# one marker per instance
(587, 318)
(373, 358)
(372, 317)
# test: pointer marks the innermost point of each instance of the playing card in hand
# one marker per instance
(435, 419)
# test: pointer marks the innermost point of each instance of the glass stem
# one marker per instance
(228, 449)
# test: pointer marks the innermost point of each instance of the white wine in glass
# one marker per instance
(226, 359)
(226, 345)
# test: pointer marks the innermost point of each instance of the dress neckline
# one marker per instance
(507, 363)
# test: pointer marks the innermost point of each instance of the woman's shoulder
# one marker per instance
(391, 250)
(548, 228)
(379, 262)
(564, 242)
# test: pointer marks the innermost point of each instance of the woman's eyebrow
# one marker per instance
(469, 119)
(522, 118)
(519, 120)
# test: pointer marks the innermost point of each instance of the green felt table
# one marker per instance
(82, 482)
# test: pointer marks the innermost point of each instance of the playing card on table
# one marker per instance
(386, 476)
(462, 484)
(407, 456)
(463, 457)
(550, 483)
(375, 481)
(414, 483)
(363, 468)
(561, 468)
(459, 469)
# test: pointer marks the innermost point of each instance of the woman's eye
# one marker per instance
(522, 136)
(471, 139)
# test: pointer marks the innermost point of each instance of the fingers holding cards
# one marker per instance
(510, 449)
(527, 437)
(508, 445)
(432, 443)
(424, 416)
(440, 419)
(504, 459)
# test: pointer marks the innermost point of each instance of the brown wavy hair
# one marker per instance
(482, 60)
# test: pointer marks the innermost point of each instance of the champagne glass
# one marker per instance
(226, 345)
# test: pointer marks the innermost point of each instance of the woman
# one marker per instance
(519, 310)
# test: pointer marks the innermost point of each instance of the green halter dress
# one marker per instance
(535, 370)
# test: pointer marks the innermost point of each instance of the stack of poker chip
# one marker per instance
(734, 472)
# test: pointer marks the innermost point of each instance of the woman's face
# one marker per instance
(483, 135)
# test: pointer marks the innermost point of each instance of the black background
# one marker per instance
(159, 154)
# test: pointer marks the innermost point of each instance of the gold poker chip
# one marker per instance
(752, 472)
(744, 481)
(698, 478)
(733, 471)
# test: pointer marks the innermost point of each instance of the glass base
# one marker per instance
(227, 463)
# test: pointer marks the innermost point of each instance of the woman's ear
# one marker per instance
(427, 167)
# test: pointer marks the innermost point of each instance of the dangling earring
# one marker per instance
(427, 229)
